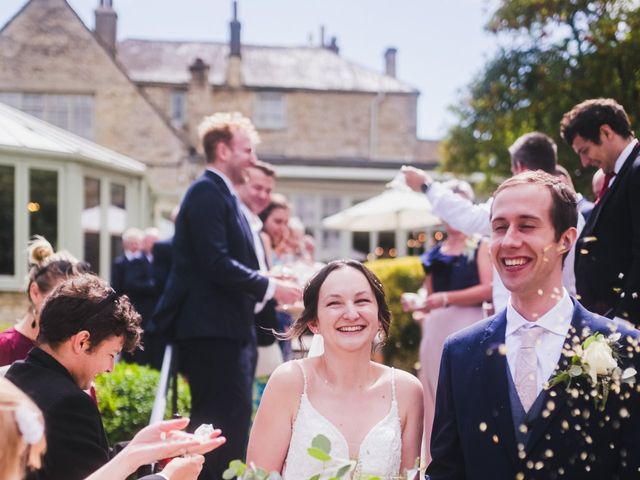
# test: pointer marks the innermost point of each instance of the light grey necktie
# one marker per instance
(526, 366)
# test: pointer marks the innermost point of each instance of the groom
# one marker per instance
(495, 416)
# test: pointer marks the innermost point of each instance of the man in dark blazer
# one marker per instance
(607, 262)
(131, 245)
(213, 287)
(83, 327)
(496, 417)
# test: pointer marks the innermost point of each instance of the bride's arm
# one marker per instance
(271, 431)
(411, 407)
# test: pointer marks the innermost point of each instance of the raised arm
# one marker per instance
(460, 213)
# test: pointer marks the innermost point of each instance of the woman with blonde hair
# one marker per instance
(47, 269)
(22, 432)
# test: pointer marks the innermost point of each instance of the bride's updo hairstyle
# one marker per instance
(312, 293)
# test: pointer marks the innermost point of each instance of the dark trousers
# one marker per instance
(220, 374)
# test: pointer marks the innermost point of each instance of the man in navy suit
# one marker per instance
(213, 287)
(131, 245)
(607, 262)
(496, 417)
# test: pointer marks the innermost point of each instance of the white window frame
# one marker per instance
(270, 111)
(47, 103)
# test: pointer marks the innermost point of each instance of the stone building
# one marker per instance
(337, 132)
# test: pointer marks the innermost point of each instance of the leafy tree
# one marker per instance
(556, 53)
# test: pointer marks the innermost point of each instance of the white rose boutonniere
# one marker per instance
(597, 360)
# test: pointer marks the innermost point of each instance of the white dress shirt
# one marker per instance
(555, 323)
(271, 288)
(470, 219)
(256, 227)
(621, 158)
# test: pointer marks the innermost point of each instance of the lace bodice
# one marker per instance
(380, 451)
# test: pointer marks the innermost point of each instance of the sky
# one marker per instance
(442, 44)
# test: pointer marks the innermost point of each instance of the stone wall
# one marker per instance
(319, 124)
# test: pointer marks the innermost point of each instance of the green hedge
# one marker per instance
(400, 275)
(125, 399)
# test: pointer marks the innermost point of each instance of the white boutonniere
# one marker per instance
(596, 359)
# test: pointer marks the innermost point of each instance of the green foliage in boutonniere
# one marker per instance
(595, 360)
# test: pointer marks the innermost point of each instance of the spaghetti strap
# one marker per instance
(393, 384)
(304, 376)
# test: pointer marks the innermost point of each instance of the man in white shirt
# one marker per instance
(496, 416)
(532, 151)
(255, 194)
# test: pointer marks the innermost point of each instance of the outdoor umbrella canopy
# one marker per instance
(397, 208)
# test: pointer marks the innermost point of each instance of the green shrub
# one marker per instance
(6, 325)
(125, 399)
(400, 275)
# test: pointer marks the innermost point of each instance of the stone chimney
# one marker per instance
(234, 65)
(235, 26)
(390, 61)
(199, 72)
(199, 98)
(106, 25)
(333, 46)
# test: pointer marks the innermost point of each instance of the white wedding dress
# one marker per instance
(380, 452)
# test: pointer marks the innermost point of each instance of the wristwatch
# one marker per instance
(424, 188)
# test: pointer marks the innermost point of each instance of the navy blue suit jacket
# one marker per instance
(607, 261)
(473, 432)
(214, 281)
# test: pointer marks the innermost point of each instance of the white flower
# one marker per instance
(598, 358)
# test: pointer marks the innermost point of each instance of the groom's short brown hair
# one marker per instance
(564, 209)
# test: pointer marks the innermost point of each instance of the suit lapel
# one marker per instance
(235, 208)
(494, 369)
(555, 398)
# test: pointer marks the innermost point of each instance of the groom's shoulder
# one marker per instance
(598, 323)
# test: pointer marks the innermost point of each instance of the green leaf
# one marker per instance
(560, 378)
(588, 342)
(321, 443)
(229, 474)
(318, 454)
(342, 471)
(315, 477)
(575, 371)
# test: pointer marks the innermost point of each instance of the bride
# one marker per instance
(371, 413)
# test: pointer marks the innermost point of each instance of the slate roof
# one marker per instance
(309, 68)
